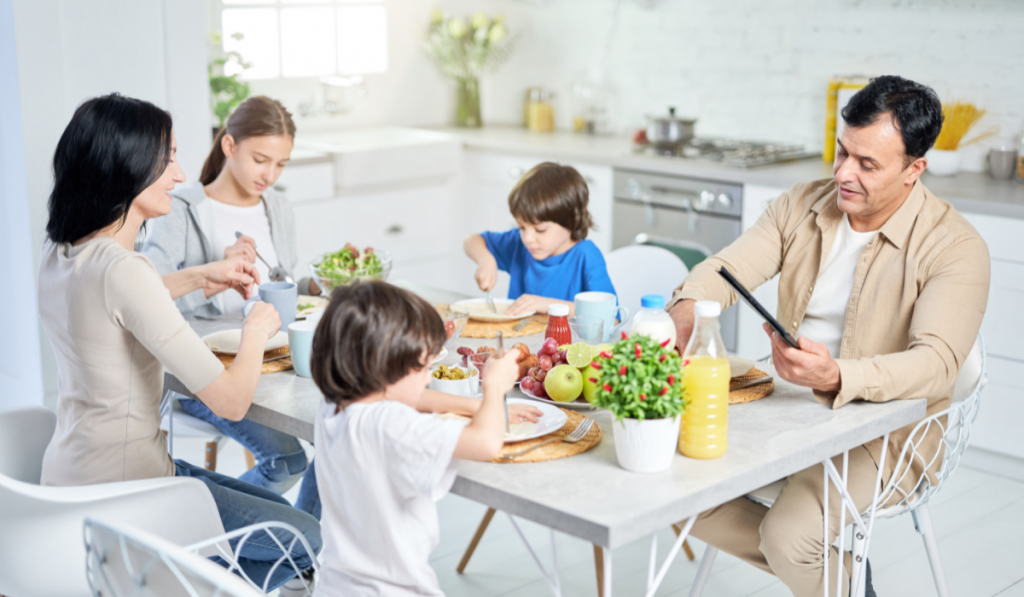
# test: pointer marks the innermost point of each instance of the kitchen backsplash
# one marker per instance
(744, 68)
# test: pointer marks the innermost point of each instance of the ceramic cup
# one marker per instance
(283, 296)
(1001, 162)
(300, 344)
(604, 306)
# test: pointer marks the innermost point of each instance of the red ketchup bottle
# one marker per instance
(558, 324)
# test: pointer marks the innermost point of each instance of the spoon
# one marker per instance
(277, 273)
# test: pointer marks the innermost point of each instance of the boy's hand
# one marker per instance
(518, 413)
(531, 302)
(487, 275)
(501, 373)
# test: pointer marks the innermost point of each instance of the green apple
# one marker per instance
(590, 387)
(564, 383)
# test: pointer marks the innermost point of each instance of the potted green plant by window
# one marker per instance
(226, 91)
(639, 381)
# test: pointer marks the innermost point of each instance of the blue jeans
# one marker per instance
(241, 504)
(280, 460)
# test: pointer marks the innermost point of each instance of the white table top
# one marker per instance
(589, 496)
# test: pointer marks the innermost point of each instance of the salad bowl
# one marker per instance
(349, 265)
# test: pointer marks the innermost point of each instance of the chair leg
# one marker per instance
(250, 460)
(923, 522)
(599, 569)
(686, 544)
(210, 463)
(703, 571)
(476, 540)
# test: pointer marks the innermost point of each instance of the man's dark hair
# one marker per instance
(113, 148)
(372, 335)
(915, 108)
(550, 192)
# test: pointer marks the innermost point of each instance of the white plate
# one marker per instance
(440, 357)
(552, 420)
(578, 404)
(318, 303)
(228, 341)
(479, 310)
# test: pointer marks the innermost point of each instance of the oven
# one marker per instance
(691, 217)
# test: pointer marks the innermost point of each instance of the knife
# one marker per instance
(277, 358)
(755, 382)
(501, 353)
(522, 324)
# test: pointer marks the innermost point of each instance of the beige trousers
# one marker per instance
(786, 539)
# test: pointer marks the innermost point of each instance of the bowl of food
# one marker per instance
(349, 265)
(454, 380)
(454, 318)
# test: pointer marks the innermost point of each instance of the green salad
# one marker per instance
(347, 264)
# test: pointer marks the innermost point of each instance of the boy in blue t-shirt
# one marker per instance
(548, 256)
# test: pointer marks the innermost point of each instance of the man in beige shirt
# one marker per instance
(913, 276)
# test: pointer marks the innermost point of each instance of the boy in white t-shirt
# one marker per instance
(382, 459)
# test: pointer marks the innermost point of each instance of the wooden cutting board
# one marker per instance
(268, 367)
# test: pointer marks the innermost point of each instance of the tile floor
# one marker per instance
(977, 517)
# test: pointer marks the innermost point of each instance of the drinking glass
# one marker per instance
(587, 329)
(477, 362)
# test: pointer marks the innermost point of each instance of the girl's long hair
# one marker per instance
(258, 116)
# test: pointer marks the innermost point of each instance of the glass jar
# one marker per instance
(539, 111)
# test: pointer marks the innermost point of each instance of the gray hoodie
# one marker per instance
(181, 239)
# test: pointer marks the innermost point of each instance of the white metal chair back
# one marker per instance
(24, 435)
(955, 423)
(126, 562)
(637, 270)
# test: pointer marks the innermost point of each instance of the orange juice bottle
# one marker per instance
(705, 422)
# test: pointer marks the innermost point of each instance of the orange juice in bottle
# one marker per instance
(705, 423)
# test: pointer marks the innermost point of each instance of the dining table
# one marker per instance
(588, 495)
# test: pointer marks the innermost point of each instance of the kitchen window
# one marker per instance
(305, 38)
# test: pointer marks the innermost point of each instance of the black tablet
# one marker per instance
(756, 306)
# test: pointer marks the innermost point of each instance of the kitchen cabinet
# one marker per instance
(1002, 400)
(752, 342)
(301, 182)
(412, 223)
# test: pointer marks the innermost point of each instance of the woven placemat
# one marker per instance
(270, 367)
(752, 393)
(554, 450)
(480, 329)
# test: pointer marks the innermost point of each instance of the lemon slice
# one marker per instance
(580, 355)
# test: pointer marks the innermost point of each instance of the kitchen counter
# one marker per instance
(968, 192)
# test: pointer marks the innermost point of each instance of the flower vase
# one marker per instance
(467, 103)
(647, 446)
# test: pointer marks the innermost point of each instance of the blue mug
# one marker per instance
(604, 306)
(300, 344)
(283, 296)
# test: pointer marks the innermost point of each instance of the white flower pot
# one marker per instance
(942, 162)
(645, 446)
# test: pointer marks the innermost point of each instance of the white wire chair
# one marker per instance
(125, 562)
(955, 424)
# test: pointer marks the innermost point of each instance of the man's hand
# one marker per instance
(682, 315)
(218, 276)
(244, 248)
(812, 366)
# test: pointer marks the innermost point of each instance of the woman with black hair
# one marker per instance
(113, 324)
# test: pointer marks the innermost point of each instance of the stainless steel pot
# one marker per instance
(669, 133)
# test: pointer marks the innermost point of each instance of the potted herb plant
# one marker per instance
(226, 91)
(638, 380)
(464, 49)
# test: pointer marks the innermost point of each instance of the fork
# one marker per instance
(579, 433)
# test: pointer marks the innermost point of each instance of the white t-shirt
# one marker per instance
(825, 318)
(252, 222)
(380, 468)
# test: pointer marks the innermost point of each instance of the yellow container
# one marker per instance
(704, 431)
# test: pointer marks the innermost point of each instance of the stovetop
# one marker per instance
(736, 153)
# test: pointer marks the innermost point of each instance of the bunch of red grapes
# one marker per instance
(550, 357)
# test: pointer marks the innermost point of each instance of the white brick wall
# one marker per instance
(750, 68)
